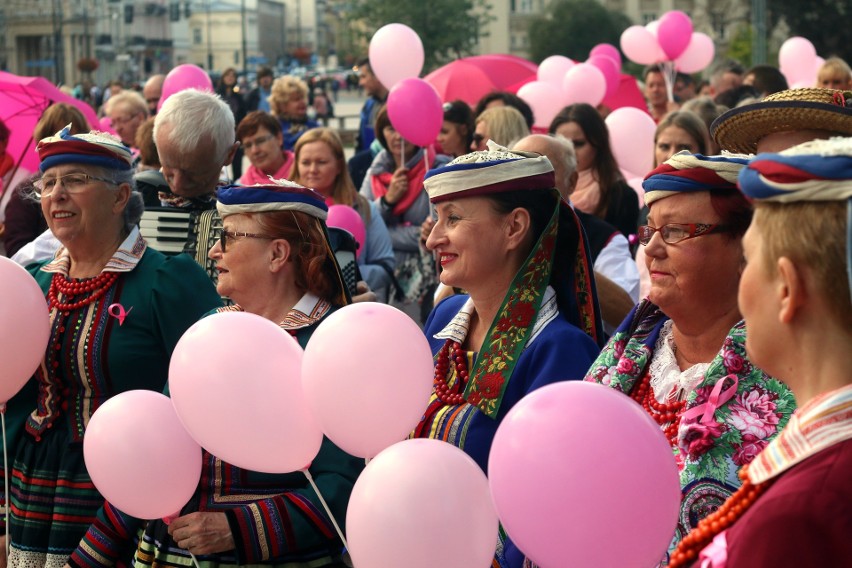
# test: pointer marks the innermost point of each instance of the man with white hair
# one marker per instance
(616, 275)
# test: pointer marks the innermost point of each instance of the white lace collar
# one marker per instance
(666, 376)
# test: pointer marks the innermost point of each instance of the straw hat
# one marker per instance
(740, 129)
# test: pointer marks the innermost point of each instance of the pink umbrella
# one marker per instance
(22, 101)
(470, 78)
(627, 95)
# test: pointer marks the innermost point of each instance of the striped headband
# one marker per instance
(278, 195)
(93, 148)
(819, 170)
(490, 171)
(685, 173)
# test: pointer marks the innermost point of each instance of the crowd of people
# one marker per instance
(722, 306)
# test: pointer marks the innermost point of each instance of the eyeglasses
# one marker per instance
(257, 141)
(674, 233)
(73, 183)
(232, 235)
(123, 120)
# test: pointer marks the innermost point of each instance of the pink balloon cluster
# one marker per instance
(671, 38)
(182, 77)
(24, 327)
(799, 62)
(421, 504)
(562, 82)
(573, 457)
(156, 474)
(396, 53)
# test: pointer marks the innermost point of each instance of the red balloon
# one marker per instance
(415, 111)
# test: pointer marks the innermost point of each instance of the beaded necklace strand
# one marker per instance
(70, 288)
(442, 368)
(667, 415)
(690, 547)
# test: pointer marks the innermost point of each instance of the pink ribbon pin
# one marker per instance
(117, 311)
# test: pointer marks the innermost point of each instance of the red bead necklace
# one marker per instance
(442, 368)
(98, 286)
(667, 415)
(690, 547)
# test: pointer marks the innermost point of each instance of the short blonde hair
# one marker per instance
(811, 234)
(282, 89)
(834, 68)
(131, 100)
(506, 125)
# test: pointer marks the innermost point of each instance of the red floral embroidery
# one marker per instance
(503, 325)
(491, 385)
(522, 314)
(474, 398)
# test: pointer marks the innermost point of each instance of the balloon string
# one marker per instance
(325, 506)
(194, 559)
(402, 155)
(366, 461)
(7, 498)
(425, 160)
(668, 69)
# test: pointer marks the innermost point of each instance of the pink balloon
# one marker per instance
(553, 69)
(105, 124)
(235, 382)
(182, 77)
(640, 46)
(584, 83)
(158, 472)
(607, 50)
(674, 33)
(631, 137)
(610, 71)
(797, 60)
(573, 457)
(545, 100)
(365, 402)
(346, 218)
(24, 327)
(698, 55)
(421, 504)
(396, 53)
(416, 111)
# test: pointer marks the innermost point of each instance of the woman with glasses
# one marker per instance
(117, 308)
(259, 134)
(681, 352)
(274, 260)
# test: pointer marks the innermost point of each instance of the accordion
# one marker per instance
(173, 231)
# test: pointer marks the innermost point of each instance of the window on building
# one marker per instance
(196, 36)
(648, 17)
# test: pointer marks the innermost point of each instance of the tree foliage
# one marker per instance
(823, 22)
(449, 29)
(573, 27)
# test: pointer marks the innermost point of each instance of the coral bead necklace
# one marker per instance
(703, 534)
(98, 286)
(667, 415)
(442, 368)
